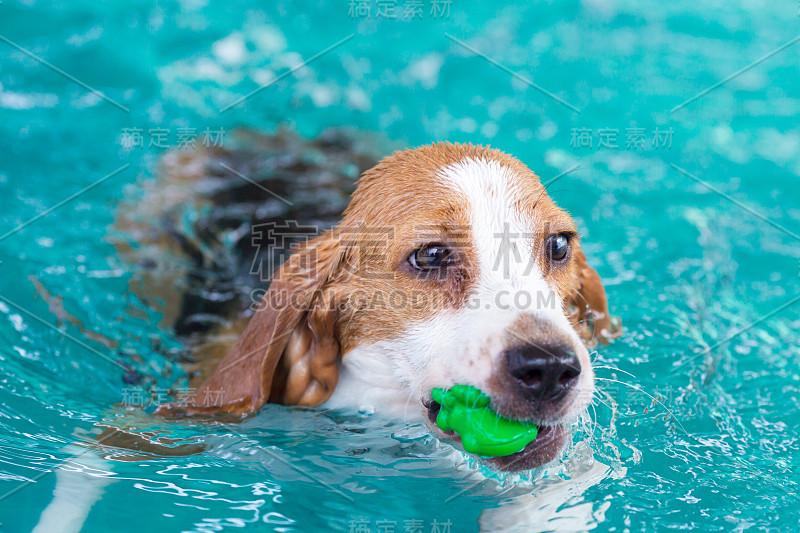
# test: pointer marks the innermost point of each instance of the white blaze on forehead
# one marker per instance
(502, 236)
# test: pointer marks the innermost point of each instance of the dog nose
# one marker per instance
(545, 372)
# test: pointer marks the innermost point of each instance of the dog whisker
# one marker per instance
(615, 369)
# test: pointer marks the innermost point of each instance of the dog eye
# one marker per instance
(430, 257)
(558, 247)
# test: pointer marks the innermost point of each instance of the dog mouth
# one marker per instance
(545, 448)
(432, 409)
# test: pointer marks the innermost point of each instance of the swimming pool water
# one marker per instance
(691, 216)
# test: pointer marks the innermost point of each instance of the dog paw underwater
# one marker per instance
(439, 286)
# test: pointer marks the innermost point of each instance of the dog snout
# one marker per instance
(543, 372)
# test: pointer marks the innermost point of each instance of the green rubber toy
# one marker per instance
(465, 410)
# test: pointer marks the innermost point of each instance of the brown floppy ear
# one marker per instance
(587, 308)
(288, 353)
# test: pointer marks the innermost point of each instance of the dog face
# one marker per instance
(451, 266)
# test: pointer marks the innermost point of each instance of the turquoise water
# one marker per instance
(685, 267)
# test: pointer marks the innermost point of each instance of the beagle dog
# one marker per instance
(451, 265)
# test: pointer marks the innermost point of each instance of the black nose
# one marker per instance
(545, 372)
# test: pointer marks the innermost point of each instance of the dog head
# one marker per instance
(451, 266)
